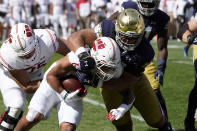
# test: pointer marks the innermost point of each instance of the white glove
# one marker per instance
(68, 97)
(116, 114)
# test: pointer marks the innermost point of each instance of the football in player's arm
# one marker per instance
(22, 60)
(187, 33)
(108, 66)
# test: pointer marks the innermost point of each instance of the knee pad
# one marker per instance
(10, 118)
(31, 115)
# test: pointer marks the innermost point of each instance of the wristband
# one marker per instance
(161, 62)
(124, 107)
(63, 94)
(80, 50)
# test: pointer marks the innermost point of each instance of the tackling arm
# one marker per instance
(26, 84)
(128, 100)
(63, 49)
(81, 38)
(186, 30)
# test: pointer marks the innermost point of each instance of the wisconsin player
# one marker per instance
(70, 107)
(136, 53)
(187, 34)
(22, 60)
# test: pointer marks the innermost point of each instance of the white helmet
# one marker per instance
(106, 53)
(24, 43)
(148, 7)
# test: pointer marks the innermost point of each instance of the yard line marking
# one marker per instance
(179, 61)
(96, 103)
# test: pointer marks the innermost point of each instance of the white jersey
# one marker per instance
(45, 98)
(58, 6)
(98, 7)
(48, 45)
(17, 8)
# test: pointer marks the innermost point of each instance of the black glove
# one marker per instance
(87, 79)
(86, 61)
(160, 71)
(192, 39)
(131, 58)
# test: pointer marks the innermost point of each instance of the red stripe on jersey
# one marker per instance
(5, 62)
(53, 41)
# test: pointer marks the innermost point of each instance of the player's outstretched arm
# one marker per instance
(185, 33)
(81, 38)
(77, 41)
(25, 84)
(127, 103)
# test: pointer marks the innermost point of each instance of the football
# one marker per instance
(71, 84)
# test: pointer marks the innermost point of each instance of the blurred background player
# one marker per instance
(69, 109)
(28, 13)
(187, 34)
(83, 13)
(99, 9)
(42, 16)
(71, 16)
(16, 9)
(58, 10)
(24, 55)
(4, 10)
(136, 52)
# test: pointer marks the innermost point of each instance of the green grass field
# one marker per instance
(178, 81)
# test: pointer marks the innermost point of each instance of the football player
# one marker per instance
(136, 53)
(22, 60)
(153, 26)
(51, 93)
(188, 36)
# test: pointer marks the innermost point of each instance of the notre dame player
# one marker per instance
(153, 26)
(136, 53)
(187, 34)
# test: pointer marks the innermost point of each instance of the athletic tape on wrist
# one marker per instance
(80, 50)
(64, 94)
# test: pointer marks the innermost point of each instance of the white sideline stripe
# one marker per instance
(96, 103)
(183, 62)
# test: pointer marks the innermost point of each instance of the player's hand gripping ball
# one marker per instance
(71, 84)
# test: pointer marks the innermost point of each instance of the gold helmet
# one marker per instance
(129, 29)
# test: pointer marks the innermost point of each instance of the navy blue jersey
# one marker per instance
(155, 24)
(141, 56)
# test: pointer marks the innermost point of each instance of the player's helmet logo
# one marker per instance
(129, 29)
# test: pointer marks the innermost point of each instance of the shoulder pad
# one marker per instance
(49, 38)
(8, 59)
